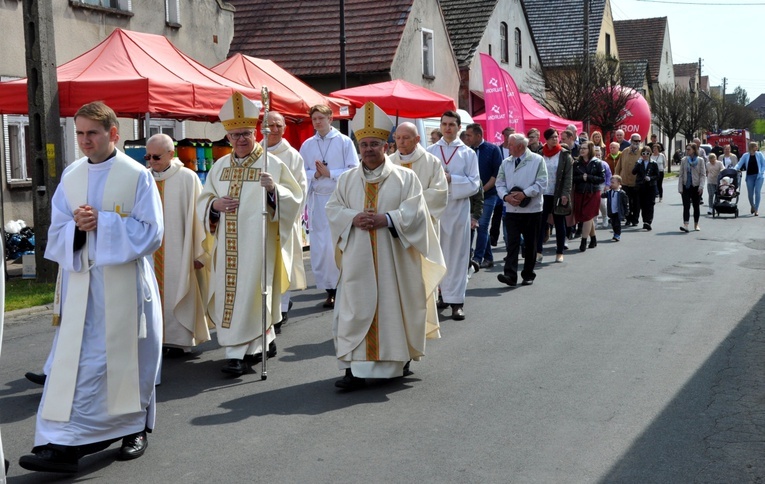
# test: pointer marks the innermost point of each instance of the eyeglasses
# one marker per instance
(245, 135)
(152, 157)
(645, 153)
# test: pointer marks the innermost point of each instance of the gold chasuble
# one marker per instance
(386, 281)
(234, 299)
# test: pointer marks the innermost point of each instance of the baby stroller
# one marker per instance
(728, 191)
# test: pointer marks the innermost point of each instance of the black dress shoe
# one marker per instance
(476, 267)
(38, 378)
(647, 227)
(49, 458)
(527, 282)
(133, 446)
(7, 464)
(234, 367)
(173, 352)
(258, 357)
(458, 314)
(505, 280)
(407, 371)
(350, 382)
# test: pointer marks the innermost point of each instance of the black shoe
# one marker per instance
(173, 352)
(487, 264)
(583, 245)
(258, 357)
(49, 459)
(407, 371)
(7, 464)
(350, 382)
(458, 314)
(494, 242)
(593, 242)
(38, 378)
(441, 304)
(234, 367)
(527, 282)
(330, 302)
(505, 280)
(647, 227)
(475, 265)
(133, 446)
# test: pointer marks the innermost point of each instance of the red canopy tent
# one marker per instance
(400, 98)
(289, 95)
(135, 74)
(536, 116)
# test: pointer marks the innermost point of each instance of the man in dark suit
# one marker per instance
(646, 174)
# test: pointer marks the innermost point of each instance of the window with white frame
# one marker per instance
(125, 5)
(171, 127)
(503, 43)
(18, 153)
(428, 54)
(18, 166)
(173, 12)
(518, 49)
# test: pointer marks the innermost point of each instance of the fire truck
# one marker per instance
(735, 137)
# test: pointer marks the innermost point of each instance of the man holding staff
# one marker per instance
(231, 206)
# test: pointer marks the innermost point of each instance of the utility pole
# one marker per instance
(586, 43)
(722, 119)
(44, 124)
(343, 74)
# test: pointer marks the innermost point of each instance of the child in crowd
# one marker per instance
(617, 206)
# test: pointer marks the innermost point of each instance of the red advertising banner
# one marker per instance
(502, 100)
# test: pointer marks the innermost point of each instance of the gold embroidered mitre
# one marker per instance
(371, 122)
(239, 112)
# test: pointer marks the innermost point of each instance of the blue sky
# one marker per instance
(729, 38)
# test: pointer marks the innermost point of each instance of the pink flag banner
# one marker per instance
(502, 100)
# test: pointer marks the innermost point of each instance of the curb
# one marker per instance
(20, 313)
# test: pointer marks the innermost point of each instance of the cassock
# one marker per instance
(181, 287)
(338, 152)
(380, 312)
(235, 301)
(294, 162)
(102, 407)
(461, 163)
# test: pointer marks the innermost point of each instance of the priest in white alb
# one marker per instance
(231, 206)
(281, 148)
(389, 260)
(106, 221)
(180, 263)
(461, 166)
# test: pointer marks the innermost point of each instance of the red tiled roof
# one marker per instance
(641, 39)
(303, 36)
(686, 70)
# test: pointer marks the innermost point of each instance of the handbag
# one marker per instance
(560, 209)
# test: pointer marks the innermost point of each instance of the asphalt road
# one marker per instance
(639, 361)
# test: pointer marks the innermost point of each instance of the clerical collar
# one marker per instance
(406, 157)
(114, 153)
(274, 147)
(373, 173)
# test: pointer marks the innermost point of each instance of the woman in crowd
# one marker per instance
(597, 139)
(588, 176)
(661, 160)
(557, 195)
(714, 167)
(690, 184)
(754, 163)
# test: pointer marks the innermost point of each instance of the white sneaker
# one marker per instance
(539, 257)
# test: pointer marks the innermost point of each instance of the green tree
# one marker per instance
(742, 99)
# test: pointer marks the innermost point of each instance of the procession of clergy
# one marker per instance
(156, 248)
